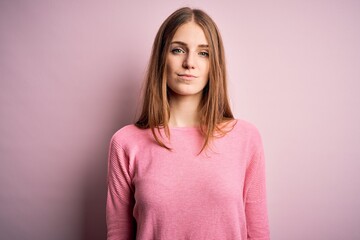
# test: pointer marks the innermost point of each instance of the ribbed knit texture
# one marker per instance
(157, 194)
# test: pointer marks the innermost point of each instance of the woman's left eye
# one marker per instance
(205, 54)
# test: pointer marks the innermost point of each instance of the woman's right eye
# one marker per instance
(177, 51)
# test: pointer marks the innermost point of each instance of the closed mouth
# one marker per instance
(186, 75)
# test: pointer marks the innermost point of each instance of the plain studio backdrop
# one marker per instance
(71, 74)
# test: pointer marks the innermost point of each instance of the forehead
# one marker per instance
(191, 34)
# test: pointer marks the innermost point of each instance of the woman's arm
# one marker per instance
(255, 197)
(120, 196)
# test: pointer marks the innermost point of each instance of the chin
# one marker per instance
(186, 93)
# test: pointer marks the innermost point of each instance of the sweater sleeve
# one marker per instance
(255, 197)
(120, 200)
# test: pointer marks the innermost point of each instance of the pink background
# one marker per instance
(71, 73)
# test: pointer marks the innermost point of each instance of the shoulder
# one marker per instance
(130, 136)
(245, 130)
(127, 131)
(248, 127)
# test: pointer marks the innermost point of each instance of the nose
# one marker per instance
(189, 61)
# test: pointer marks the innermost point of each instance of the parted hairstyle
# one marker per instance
(214, 108)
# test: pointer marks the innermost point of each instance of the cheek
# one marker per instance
(206, 68)
(167, 64)
(170, 65)
(168, 71)
(205, 64)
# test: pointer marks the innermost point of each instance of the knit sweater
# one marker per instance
(179, 194)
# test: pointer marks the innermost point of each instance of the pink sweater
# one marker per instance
(157, 194)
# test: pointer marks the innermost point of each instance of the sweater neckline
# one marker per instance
(184, 128)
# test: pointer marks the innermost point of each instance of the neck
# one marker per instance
(184, 111)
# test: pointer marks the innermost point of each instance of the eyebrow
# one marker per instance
(184, 44)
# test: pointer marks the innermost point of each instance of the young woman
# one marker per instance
(187, 169)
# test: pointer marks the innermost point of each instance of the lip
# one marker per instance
(187, 76)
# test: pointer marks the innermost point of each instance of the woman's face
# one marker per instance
(188, 61)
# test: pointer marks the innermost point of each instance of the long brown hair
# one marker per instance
(214, 106)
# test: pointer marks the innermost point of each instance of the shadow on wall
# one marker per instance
(94, 200)
(95, 185)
